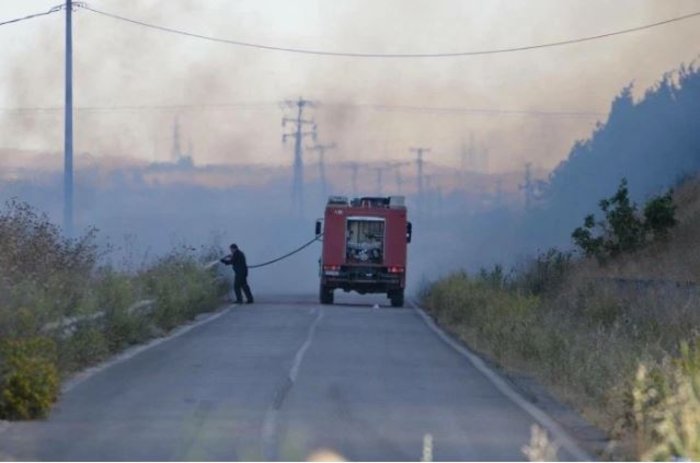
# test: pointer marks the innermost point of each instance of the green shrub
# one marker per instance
(87, 346)
(660, 215)
(116, 292)
(544, 274)
(123, 330)
(493, 278)
(29, 379)
(182, 289)
(624, 229)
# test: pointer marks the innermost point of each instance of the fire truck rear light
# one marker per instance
(331, 270)
(395, 269)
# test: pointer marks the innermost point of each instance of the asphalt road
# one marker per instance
(282, 379)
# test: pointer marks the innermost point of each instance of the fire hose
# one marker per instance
(270, 262)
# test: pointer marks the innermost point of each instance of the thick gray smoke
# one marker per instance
(472, 211)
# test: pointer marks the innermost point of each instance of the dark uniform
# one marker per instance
(240, 268)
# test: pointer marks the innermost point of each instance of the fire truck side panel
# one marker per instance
(334, 233)
(396, 239)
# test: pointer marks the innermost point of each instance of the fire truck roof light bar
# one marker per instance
(384, 202)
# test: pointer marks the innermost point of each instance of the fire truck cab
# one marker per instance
(364, 247)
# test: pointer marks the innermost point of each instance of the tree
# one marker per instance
(624, 229)
(660, 216)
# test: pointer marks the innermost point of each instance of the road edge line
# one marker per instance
(560, 435)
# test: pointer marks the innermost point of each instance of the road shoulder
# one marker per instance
(576, 435)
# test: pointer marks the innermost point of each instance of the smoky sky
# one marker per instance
(128, 80)
(119, 64)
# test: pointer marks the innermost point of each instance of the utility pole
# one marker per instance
(528, 186)
(68, 127)
(419, 166)
(354, 168)
(428, 205)
(499, 192)
(388, 166)
(380, 179)
(485, 163)
(399, 180)
(177, 147)
(322, 164)
(468, 156)
(298, 134)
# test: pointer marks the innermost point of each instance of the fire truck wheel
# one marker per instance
(326, 295)
(396, 298)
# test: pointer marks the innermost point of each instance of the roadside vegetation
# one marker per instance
(613, 329)
(61, 310)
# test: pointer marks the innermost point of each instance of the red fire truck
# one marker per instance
(364, 247)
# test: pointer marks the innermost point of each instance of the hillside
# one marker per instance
(678, 258)
(653, 142)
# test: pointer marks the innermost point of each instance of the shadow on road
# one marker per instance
(351, 300)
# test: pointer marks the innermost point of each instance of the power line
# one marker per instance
(391, 55)
(127, 108)
(477, 111)
(368, 106)
(55, 9)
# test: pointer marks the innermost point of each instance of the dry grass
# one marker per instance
(586, 335)
(666, 407)
(540, 447)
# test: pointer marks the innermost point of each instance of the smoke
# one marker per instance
(374, 110)
(123, 64)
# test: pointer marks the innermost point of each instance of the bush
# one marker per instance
(29, 379)
(544, 274)
(182, 289)
(123, 329)
(116, 292)
(623, 230)
(85, 347)
(45, 278)
(660, 216)
(41, 270)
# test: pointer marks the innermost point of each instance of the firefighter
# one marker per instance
(240, 269)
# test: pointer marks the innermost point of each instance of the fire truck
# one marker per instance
(364, 247)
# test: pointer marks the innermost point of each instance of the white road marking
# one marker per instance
(427, 448)
(304, 347)
(269, 427)
(560, 436)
